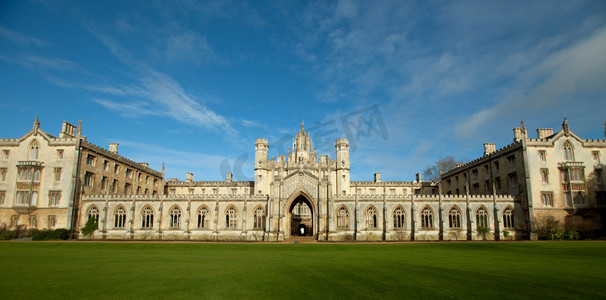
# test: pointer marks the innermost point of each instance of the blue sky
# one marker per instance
(194, 83)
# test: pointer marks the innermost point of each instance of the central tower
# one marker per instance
(302, 149)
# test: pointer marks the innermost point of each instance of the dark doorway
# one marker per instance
(301, 217)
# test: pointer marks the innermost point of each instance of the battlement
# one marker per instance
(178, 197)
(122, 159)
(510, 147)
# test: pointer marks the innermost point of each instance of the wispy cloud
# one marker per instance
(20, 38)
(157, 92)
(187, 46)
(565, 76)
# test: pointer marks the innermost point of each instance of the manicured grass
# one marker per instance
(256, 271)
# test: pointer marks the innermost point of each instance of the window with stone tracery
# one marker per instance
(482, 217)
(398, 218)
(33, 150)
(568, 151)
(371, 217)
(426, 218)
(454, 217)
(93, 212)
(175, 218)
(231, 218)
(120, 217)
(342, 218)
(259, 218)
(508, 217)
(147, 217)
(203, 215)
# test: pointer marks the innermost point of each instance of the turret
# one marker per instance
(261, 167)
(342, 167)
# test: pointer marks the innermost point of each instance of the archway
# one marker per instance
(300, 213)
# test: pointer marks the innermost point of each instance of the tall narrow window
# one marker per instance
(568, 151)
(203, 215)
(546, 199)
(508, 217)
(371, 217)
(57, 174)
(175, 217)
(342, 218)
(147, 217)
(231, 218)
(55, 198)
(259, 217)
(426, 218)
(120, 217)
(33, 150)
(3, 173)
(52, 221)
(398, 218)
(542, 155)
(2, 197)
(482, 217)
(93, 212)
(454, 217)
(545, 175)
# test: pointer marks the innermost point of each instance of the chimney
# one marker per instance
(113, 148)
(230, 177)
(418, 176)
(189, 176)
(377, 177)
(67, 130)
(489, 148)
(543, 133)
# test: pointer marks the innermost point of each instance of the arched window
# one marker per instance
(93, 212)
(454, 217)
(120, 217)
(203, 215)
(342, 218)
(147, 215)
(175, 217)
(568, 151)
(426, 218)
(371, 217)
(398, 218)
(37, 176)
(508, 217)
(482, 217)
(231, 218)
(259, 217)
(33, 150)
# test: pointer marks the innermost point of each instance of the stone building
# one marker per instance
(302, 193)
(42, 177)
(558, 175)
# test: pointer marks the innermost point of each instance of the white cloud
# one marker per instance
(566, 76)
(187, 46)
(22, 38)
(161, 94)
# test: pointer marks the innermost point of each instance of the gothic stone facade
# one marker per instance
(302, 194)
(42, 177)
(554, 175)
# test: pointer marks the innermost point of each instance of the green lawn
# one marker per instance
(199, 270)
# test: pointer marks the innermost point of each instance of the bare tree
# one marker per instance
(444, 164)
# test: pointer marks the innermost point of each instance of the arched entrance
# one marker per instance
(300, 214)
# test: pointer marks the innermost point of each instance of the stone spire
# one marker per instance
(565, 126)
(162, 169)
(36, 125)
